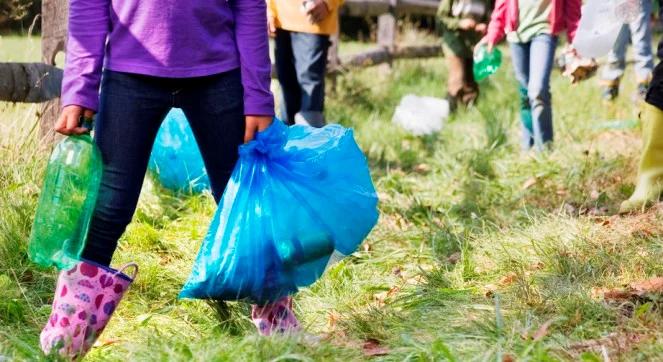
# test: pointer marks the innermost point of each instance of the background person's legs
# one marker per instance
(310, 51)
(471, 88)
(130, 113)
(641, 38)
(613, 70)
(520, 54)
(542, 58)
(455, 79)
(291, 93)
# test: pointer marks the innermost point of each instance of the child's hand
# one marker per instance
(317, 10)
(271, 26)
(481, 28)
(482, 42)
(68, 122)
(467, 24)
(255, 124)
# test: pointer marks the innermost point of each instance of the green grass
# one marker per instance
(477, 247)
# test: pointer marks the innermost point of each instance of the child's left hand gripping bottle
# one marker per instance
(67, 200)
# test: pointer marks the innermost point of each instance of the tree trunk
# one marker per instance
(29, 82)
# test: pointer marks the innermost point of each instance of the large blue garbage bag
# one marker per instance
(176, 161)
(296, 196)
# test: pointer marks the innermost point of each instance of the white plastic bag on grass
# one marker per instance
(421, 115)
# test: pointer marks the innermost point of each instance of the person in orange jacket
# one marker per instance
(301, 31)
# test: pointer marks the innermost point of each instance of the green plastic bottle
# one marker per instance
(304, 249)
(486, 63)
(67, 200)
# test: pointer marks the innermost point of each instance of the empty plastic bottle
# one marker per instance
(486, 63)
(67, 200)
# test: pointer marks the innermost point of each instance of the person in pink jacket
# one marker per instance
(532, 27)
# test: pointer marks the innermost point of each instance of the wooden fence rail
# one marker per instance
(399, 7)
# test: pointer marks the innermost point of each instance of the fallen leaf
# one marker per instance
(617, 342)
(372, 347)
(508, 358)
(332, 319)
(529, 183)
(508, 279)
(393, 291)
(654, 285)
(454, 258)
(543, 330)
(632, 291)
(489, 290)
(537, 266)
(422, 168)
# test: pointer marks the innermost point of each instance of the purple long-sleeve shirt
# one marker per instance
(167, 38)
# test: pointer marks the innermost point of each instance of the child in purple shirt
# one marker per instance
(129, 62)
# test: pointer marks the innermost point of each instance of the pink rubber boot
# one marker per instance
(277, 317)
(85, 298)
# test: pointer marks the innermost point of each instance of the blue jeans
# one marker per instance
(301, 64)
(131, 110)
(532, 63)
(639, 33)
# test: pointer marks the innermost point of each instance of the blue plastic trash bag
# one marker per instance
(296, 196)
(176, 161)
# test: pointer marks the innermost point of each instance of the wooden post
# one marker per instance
(54, 37)
(386, 36)
(333, 61)
(387, 27)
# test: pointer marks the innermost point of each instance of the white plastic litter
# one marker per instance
(421, 115)
(601, 22)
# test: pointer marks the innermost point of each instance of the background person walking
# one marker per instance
(639, 33)
(302, 32)
(463, 23)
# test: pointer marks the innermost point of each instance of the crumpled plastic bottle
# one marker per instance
(486, 63)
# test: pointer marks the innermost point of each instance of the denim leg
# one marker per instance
(310, 51)
(542, 57)
(613, 70)
(521, 63)
(641, 38)
(130, 112)
(215, 109)
(291, 94)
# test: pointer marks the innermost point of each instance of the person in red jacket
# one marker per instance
(532, 27)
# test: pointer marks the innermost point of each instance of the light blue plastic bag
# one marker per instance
(176, 161)
(296, 196)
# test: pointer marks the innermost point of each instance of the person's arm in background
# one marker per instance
(572, 13)
(256, 67)
(272, 17)
(89, 23)
(496, 26)
(444, 15)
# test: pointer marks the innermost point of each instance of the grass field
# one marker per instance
(482, 253)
